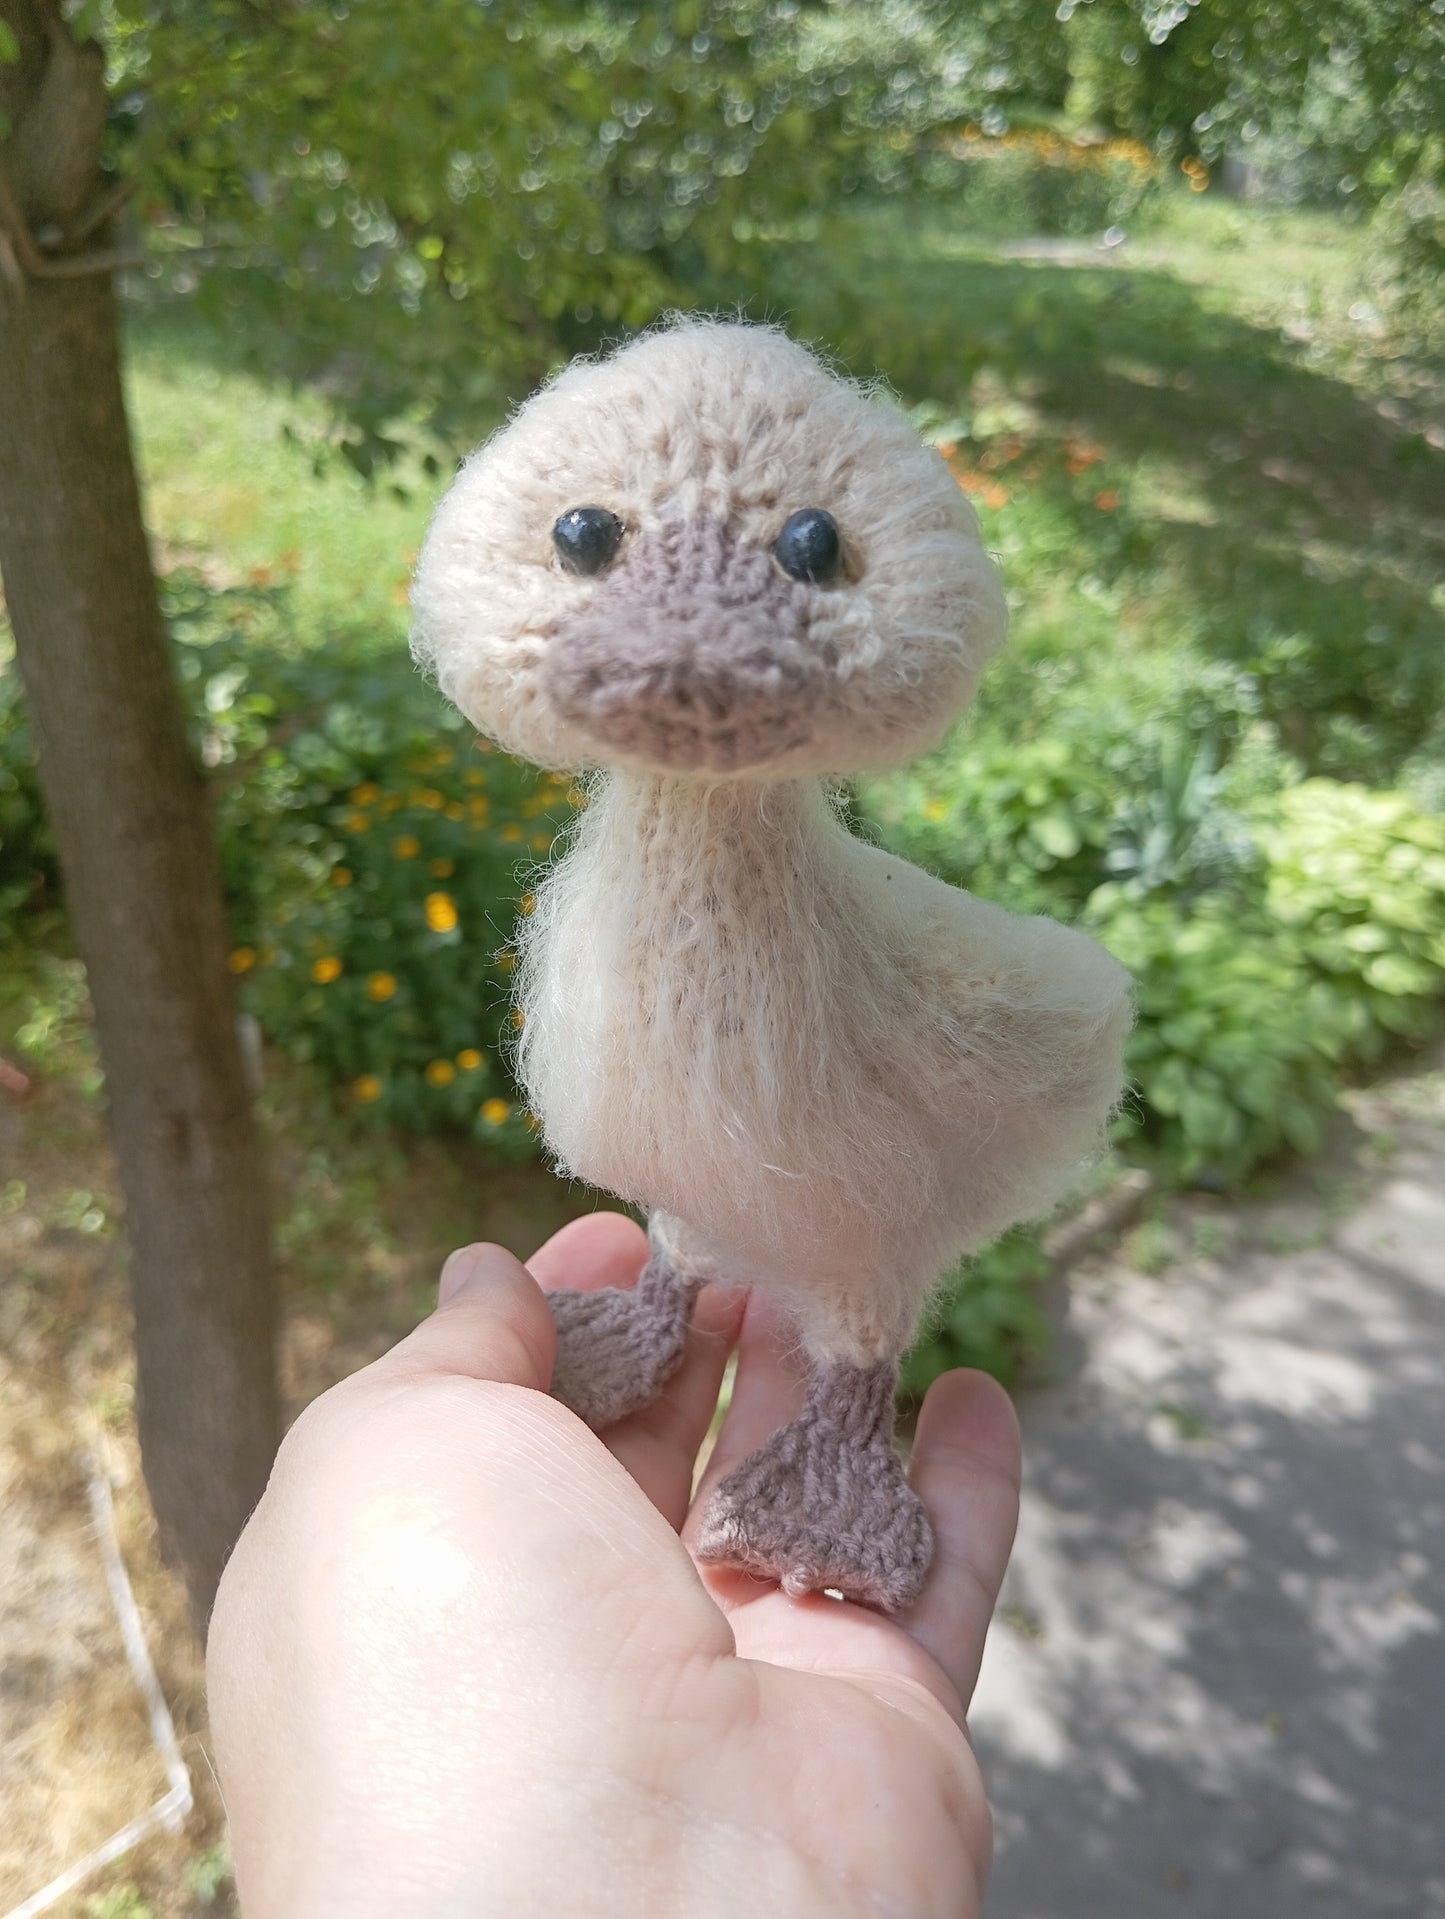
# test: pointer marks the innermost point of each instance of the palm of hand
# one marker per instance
(465, 1630)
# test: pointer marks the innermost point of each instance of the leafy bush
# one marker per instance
(1251, 1005)
(1358, 877)
(376, 856)
(1235, 1052)
(386, 956)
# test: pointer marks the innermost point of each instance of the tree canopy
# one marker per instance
(431, 204)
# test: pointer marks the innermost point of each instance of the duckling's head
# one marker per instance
(707, 555)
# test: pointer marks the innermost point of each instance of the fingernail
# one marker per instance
(460, 1267)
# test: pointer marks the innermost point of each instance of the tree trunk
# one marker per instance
(131, 818)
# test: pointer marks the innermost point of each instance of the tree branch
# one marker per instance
(22, 257)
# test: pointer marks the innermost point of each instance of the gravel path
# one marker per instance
(1218, 1682)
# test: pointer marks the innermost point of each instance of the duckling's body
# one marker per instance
(835, 1073)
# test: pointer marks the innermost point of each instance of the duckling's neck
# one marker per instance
(692, 846)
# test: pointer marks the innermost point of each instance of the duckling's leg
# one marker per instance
(825, 1506)
(617, 1347)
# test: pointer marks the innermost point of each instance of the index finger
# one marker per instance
(966, 1468)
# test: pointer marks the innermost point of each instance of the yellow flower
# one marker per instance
(480, 808)
(511, 831)
(367, 794)
(456, 811)
(357, 823)
(541, 842)
(441, 1072)
(441, 912)
(441, 869)
(474, 776)
(527, 905)
(518, 1018)
(326, 969)
(368, 1087)
(432, 800)
(243, 959)
(341, 876)
(935, 810)
(406, 848)
(496, 1112)
(469, 1059)
(380, 986)
(577, 798)
(443, 756)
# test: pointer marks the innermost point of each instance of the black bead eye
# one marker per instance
(809, 547)
(587, 539)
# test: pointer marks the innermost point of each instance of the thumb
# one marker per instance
(492, 1322)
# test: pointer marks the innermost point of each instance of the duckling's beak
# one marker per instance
(692, 655)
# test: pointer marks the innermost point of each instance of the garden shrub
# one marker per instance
(376, 856)
(1358, 878)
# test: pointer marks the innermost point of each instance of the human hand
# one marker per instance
(461, 1662)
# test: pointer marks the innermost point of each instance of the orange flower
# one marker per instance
(441, 912)
(243, 959)
(511, 831)
(368, 1087)
(496, 1112)
(469, 1059)
(326, 969)
(1106, 501)
(341, 876)
(441, 869)
(441, 1072)
(406, 848)
(527, 904)
(381, 986)
(367, 794)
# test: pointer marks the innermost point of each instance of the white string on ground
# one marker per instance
(170, 1811)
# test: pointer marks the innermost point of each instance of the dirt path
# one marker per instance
(1218, 1683)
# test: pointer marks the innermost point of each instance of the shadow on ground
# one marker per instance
(1218, 1679)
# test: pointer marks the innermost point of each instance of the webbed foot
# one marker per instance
(617, 1347)
(825, 1505)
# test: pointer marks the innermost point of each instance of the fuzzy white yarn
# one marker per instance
(834, 1072)
(840, 1073)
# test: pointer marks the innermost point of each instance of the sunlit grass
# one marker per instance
(228, 488)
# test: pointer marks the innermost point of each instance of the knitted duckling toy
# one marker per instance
(715, 570)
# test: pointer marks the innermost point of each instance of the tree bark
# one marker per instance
(131, 819)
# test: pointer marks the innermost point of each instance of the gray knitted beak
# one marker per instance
(692, 655)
